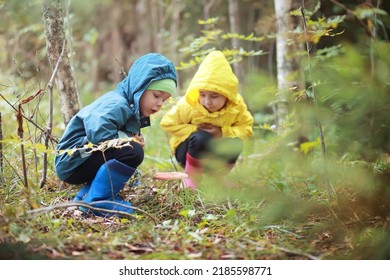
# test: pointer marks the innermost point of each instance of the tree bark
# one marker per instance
(177, 7)
(1, 151)
(55, 42)
(234, 19)
(208, 6)
(145, 42)
(284, 61)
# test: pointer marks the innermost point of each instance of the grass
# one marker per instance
(261, 219)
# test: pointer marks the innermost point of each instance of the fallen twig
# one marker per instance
(288, 251)
(90, 206)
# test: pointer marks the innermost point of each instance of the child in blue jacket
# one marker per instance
(120, 113)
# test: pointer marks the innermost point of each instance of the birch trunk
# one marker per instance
(283, 56)
(55, 42)
(234, 19)
(177, 8)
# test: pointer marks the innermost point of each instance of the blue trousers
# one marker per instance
(85, 173)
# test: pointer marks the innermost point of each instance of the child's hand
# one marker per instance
(215, 131)
(140, 139)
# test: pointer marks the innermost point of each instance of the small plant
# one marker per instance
(212, 39)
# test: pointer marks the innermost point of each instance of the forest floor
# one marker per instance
(173, 223)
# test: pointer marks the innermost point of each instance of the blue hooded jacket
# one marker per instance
(115, 111)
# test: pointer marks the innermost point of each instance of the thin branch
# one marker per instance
(122, 70)
(29, 119)
(170, 154)
(288, 251)
(368, 31)
(322, 138)
(20, 134)
(50, 124)
(13, 168)
(90, 206)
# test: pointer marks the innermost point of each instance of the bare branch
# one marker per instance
(29, 119)
(368, 31)
(91, 207)
(50, 125)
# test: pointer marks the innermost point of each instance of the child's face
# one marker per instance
(151, 101)
(211, 100)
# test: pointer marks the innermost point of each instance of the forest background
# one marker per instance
(313, 183)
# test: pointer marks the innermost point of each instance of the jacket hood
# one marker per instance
(214, 74)
(146, 69)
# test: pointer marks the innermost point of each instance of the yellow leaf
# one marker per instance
(309, 146)
(89, 145)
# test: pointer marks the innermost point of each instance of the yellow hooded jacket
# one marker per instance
(214, 74)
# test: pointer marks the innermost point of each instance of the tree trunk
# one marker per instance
(208, 6)
(55, 42)
(284, 61)
(115, 47)
(177, 7)
(234, 19)
(146, 21)
(1, 152)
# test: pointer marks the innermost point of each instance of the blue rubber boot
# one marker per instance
(80, 195)
(109, 180)
(84, 190)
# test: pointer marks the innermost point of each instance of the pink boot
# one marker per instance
(194, 170)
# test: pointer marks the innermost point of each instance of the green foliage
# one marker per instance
(357, 102)
(216, 39)
(367, 12)
(319, 27)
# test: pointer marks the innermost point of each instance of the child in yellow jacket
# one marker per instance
(210, 116)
